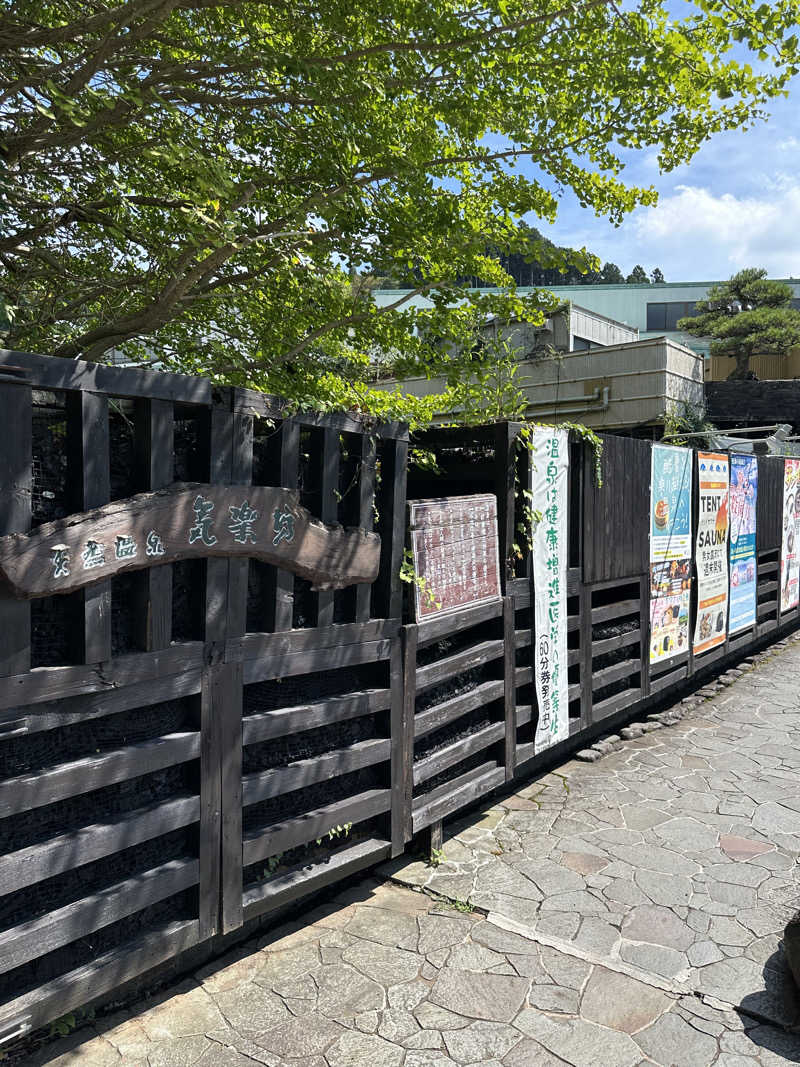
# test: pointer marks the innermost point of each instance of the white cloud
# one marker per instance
(693, 233)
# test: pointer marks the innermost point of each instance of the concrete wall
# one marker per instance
(560, 331)
(612, 388)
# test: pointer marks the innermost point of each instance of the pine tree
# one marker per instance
(638, 276)
(746, 316)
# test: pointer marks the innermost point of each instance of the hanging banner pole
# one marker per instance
(549, 468)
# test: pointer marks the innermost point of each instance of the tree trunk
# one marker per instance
(742, 369)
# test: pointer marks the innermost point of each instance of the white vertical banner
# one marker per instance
(549, 466)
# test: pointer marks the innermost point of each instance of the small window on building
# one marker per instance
(656, 317)
(674, 312)
(665, 316)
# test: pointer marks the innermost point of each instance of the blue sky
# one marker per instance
(735, 205)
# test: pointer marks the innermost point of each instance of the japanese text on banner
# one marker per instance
(711, 551)
(549, 467)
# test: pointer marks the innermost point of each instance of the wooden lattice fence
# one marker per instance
(192, 746)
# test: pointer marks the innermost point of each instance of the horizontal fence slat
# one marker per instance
(450, 755)
(32, 939)
(616, 703)
(109, 971)
(523, 676)
(455, 707)
(56, 683)
(460, 792)
(47, 372)
(477, 656)
(264, 725)
(611, 644)
(615, 672)
(607, 612)
(435, 629)
(290, 664)
(50, 715)
(663, 681)
(66, 851)
(523, 638)
(262, 785)
(270, 840)
(260, 646)
(524, 714)
(50, 784)
(343, 863)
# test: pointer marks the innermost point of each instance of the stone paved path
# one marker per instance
(630, 912)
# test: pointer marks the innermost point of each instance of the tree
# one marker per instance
(207, 182)
(638, 276)
(611, 275)
(656, 276)
(746, 316)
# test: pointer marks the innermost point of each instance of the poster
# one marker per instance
(742, 504)
(790, 563)
(711, 551)
(455, 549)
(549, 464)
(670, 551)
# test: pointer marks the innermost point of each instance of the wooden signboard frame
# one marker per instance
(187, 521)
(456, 574)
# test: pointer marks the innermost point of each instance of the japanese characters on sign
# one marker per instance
(790, 561)
(189, 521)
(670, 551)
(742, 502)
(455, 551)
(549, 468)
(711, 552)
(241, 527)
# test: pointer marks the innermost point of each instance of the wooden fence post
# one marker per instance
(280, 585)
(509, 686)
(15, 510)
(88, 471)
(230, 462)
(155, 439)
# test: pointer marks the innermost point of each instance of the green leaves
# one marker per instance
(222, 187)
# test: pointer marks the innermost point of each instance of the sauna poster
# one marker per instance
(711, 551)
(670, 551)
(790, 563)
(742, 502)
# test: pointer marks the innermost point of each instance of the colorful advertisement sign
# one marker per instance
(670, 551)
(742, 502)
(790, 561)
(549, 466)
(711, 551)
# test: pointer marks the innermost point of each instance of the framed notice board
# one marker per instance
(455, 547)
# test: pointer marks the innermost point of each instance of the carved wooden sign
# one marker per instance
(455, 549)
(186, 521)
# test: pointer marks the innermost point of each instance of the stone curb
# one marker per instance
(673, 715)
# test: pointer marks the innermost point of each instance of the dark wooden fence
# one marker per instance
(187, 748)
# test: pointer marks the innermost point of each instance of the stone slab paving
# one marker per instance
(386, 977)
(614, 914)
